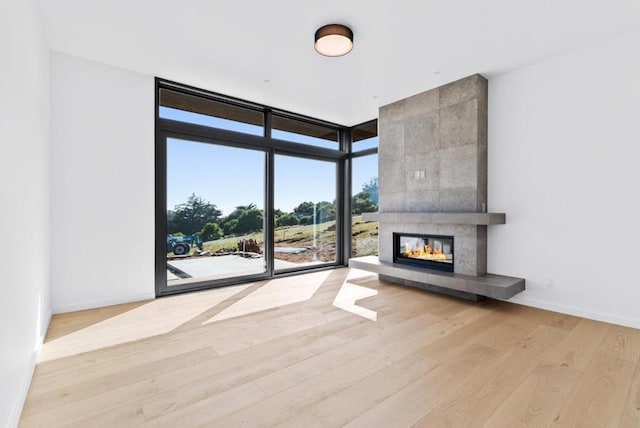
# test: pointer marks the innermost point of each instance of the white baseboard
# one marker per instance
(579, 312)
(80, 306)
(22, 393)
(21, 396)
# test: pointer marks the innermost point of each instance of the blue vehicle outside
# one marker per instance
(181, 245)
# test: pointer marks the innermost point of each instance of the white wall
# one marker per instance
(102, 184)
(24, 200)
(564, 164)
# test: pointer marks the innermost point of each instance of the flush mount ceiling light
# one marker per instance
(333, 40)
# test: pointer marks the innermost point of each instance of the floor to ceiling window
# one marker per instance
(364, 189)
(246, 192)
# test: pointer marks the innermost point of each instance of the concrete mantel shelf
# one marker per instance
(489, 285)
(437, 218)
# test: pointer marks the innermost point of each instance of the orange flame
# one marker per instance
(424, 252)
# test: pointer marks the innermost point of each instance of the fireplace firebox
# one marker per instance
(428, 251)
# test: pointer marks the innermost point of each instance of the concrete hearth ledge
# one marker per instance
(489, 285)
(437, 218)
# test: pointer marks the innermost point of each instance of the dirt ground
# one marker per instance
(326, 253)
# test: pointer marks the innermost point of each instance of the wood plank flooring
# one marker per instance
(254, 356)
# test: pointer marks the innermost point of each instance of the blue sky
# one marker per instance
(229, 176)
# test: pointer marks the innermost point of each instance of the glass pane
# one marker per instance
(305, 215)
(202, 111)
(364, 235)
(365, 136)
(369, 143)
(302, 132)
(215, 212)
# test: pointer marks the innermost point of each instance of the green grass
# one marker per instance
(365, 235)
(230, 242)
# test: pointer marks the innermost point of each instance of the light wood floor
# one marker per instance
(280, 353)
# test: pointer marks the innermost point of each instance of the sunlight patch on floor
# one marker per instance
(152, 319)
(275, 293)
(350, 293)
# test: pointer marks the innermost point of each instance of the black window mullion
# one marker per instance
(345, 185)
(270, 221)
(267, 123)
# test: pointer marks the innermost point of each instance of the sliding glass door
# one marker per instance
(305, 212)
(215, 213)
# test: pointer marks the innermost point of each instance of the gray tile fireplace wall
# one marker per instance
(433, 159)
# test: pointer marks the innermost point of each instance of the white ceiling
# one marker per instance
(262, 50)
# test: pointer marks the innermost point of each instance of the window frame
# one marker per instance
(168, 128)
